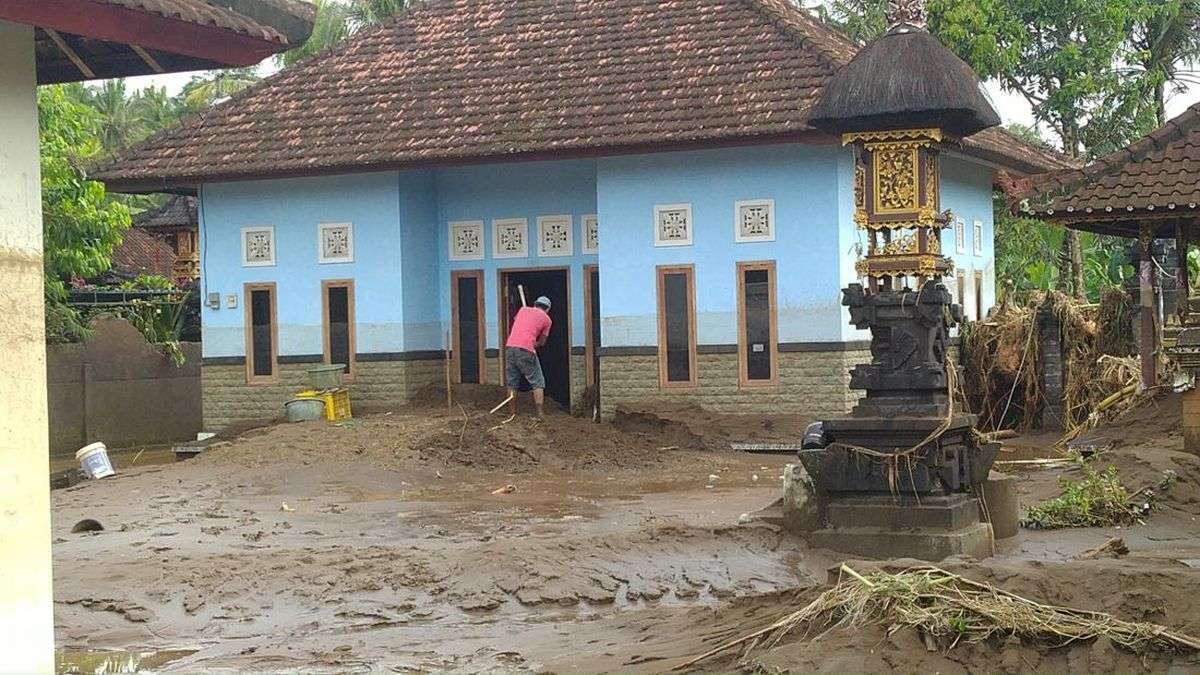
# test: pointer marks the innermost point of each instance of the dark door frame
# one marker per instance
(502, 311)
(348, 284)
(455, 366)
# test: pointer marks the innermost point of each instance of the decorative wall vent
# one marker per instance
(673, 225)
(510, 238)
(336, 243)
(977, 237)
(591, 234)
(554, 236)
(466, 240)
(755, 220)
(258, 246)
(960, 236)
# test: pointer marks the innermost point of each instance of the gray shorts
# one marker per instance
(518, 364)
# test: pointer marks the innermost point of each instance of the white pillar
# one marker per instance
(26, 599)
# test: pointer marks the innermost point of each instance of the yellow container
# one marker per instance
(337, 402)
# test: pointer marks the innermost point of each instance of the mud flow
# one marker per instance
(433, 540)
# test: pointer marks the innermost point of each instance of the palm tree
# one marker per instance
(1166, 42)
(204, 90)
(331, 26)
(155, 109)
(119, 123)
(370, 12)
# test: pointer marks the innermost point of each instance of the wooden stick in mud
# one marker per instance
(449, 401)
(501, 404)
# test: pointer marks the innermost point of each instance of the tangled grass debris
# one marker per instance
(1003, 361)
(949, 609)
(1096, 500)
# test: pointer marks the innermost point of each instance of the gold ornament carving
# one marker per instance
(895, 179)
(925, 135)
(903, 244)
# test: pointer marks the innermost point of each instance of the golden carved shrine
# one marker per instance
(896, 202)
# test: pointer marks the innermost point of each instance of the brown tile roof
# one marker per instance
(203, 13)
(179, 211)
(454, 81)
(142, 253)
(1157, 175)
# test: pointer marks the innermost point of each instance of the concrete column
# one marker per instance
(26, 610)
(1147, 345)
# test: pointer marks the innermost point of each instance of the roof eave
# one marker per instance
(147, 30)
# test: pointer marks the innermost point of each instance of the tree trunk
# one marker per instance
(1072, 254)
(1079, 290)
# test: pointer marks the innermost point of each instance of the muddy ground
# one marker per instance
(378, 545)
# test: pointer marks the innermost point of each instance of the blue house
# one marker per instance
(646, 164)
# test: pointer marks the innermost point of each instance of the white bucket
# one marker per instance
(93, 459)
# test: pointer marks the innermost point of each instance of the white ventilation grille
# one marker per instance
(755, 220)
(554, 236)
(591, 234)
(258, 246)
(466, 240)
(336, 242)
(673, 225)
(510, 238)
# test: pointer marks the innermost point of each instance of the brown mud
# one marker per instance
(378, 545)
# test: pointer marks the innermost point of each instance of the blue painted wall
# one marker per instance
(517, 191)
(294, 207)
(401, 242)
(967, 192)
(803, 181)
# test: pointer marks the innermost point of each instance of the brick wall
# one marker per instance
(812, 383)
(228, 400)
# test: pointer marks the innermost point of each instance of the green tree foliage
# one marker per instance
(1166, 42)
(206, 89)
(338, 19)
(331, 26)
(81, 227)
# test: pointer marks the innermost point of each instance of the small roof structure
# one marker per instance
(904, 79)
(179, 211)
(91, 39)
(1155, 181)
(142, 253)
(474, 81)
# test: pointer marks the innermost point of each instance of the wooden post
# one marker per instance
(1182, 292)
(449, 399)
(1146, 308)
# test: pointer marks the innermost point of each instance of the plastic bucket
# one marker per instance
(304, 409)
(326, 377)
(93, 459)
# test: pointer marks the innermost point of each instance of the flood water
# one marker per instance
(106, 662)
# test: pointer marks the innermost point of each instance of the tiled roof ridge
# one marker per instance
(1057, 183)
(797, 23)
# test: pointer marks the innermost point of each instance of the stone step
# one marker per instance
(937, 513)
(923, 544)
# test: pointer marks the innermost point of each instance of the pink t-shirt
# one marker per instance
(528, 327)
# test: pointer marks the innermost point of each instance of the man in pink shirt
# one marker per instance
(529, 331)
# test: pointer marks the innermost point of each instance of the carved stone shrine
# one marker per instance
(901, 474)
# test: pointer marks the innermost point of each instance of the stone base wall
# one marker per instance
(228, 400)
(812, 383)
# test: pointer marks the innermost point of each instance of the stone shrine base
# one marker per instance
(885, 526)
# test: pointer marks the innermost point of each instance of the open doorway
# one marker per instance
(555, 355)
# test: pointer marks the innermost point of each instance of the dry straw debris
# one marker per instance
(949, 609)
(1004, 363)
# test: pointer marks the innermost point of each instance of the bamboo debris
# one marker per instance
(952, 609)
